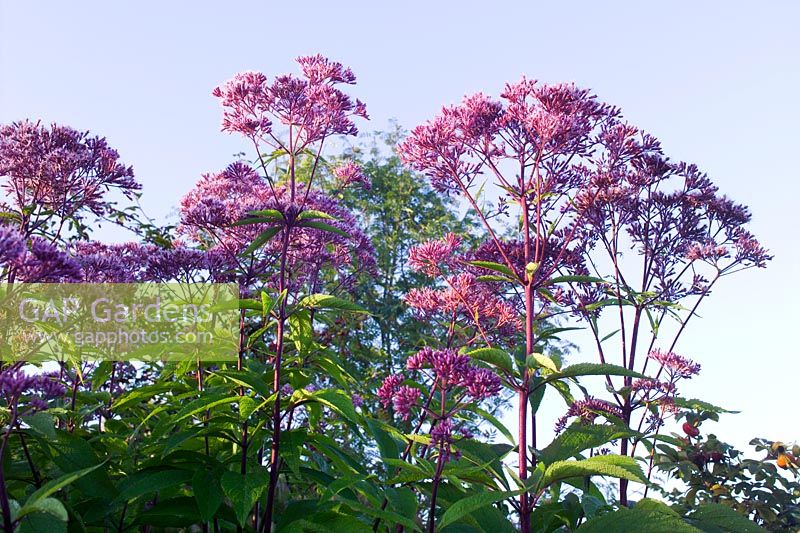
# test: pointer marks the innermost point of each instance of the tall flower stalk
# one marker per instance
(288, 122)
(667, 236)
(530, 147)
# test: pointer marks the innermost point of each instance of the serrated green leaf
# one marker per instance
(150, 481)
(309, 214)
(41, 522)
(636, 521)
(42, 423)
(700, 405)
(326, 301)
(600, 465)
(714, 517)
(204, 402)
(495, 267)
(323, 227)
(462, 508)
(579, 437)
(244, 491)
(207, 493)
(592, 369)
(49, 506)
(51, 487)
(536, 360)
(262, 239)
(494, 357)
(575, 279)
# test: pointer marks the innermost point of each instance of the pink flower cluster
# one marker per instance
(467, 297)
(210, 211)
(430, 257)
(311, 105)
(553, 121)
(349, 173)
(674, 364)
(587, 410)
(401, 397)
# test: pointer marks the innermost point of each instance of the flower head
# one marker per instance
(404, 399)
(59, 172)
(676, 365)
(587, 410)
(429, 257)
(312, 105)
(350, 173)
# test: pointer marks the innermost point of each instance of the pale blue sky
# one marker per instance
(717, 82)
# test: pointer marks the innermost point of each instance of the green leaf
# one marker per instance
(42, 423)
(101, 374)
(326, 301)
(145, 393)
(402, 500)
(540, 360)
(268, 214)
(49, 506)
(592, 369)
(244, 491)
(204, 402)
(150, 481)
(579, 437)
(493, 421)
(463, 507)
(313, 213)
(616, 466)
(247, 406)
(338, 401)
(387, 445)
(51, 487)
(495, 267)
(262, 239)
(323, 227)
(716, 518)
(637, 521)
(207, 493)
(494, 357)
(249, 379)
(574, 279)
(180, 512)
(494, 277)
(700, 405)
(41, 522)
(74, 455)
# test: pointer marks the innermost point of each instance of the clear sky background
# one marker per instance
(716, 81)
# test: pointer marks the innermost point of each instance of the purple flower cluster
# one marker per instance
(442, 436)
(401, 397)
(210, 211)
(12, 245)
(587, 410)
(60, 172)
(450, 369)
(46, 263)
(553, 121)
(37, 389)
(648, 385)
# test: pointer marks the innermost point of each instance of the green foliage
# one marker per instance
(724, 489)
